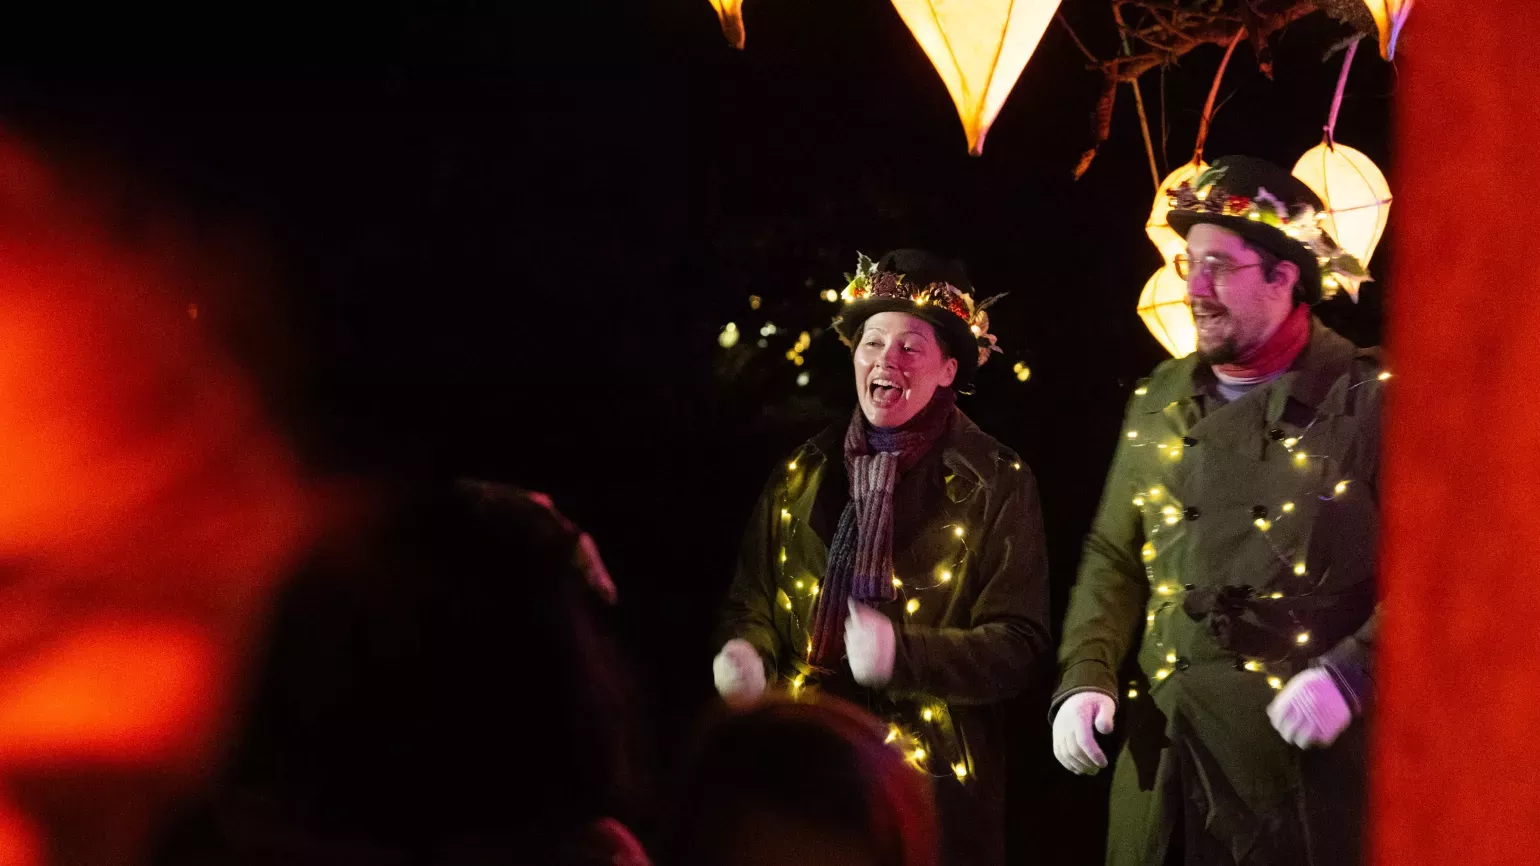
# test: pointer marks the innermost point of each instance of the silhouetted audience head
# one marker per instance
(807, 783)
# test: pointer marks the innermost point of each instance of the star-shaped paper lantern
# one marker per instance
(979, 48)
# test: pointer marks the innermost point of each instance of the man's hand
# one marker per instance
(1080, 717)
(1310, 711)
(869, 646)
(739, 673)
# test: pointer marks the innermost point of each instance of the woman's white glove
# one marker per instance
(739, 673)
(1310, 711)
(1075, 726)
(869, 645)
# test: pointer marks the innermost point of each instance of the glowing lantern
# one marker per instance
(1163, 307)
(1162, 235)
(1355, 192)
(1389, 15)
(979, 48)
(730, 13)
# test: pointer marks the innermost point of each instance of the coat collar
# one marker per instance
(1307, 381)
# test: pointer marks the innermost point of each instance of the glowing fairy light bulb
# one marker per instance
(1302, 638)
(800, 584)
(1384, 376)
(1133, 693)
(1275, 682)
(1276, 595)
(946, 577)
(729, 336)
(1164, 589)
(792, 466)
(1154, 492)
(1253, 665)
(927, 714)
(1141, 391)
(917, 755)
(785, 514)
(958, 532)
(1132, 434)
(1290, 442)
(1138, 501)
(831, 296)
(1299, 569)
(1171, 658)
(1162, 673)
(1287, 508)
(1340, 489)
(813, 590)
(897, 584)
(960, 771)
(1016, 466)
(892, 733)
(1300, 457)
(1147, 552)
(1263, 523)
(912, 606)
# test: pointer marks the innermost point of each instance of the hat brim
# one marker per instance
(1270, 238)
(961, 344)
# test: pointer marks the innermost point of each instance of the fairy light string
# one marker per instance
(918, 747)
(1165, 516)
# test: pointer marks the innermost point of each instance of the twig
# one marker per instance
(1081, 45)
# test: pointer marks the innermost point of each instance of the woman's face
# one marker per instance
(899, 365)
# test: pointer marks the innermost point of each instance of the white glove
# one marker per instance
(1310, 711)
(869, 645)
(1074, 741)
(739, 673)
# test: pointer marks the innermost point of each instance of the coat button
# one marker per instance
(1275, 434)
(1192, 512)
(1259, 511)
(1182, 664)
(1189, 587)
(1189, 441)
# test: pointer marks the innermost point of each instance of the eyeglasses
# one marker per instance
(1217, 269)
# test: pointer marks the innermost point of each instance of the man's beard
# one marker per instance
(1224, 353)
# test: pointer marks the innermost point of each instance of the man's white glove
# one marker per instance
(1310, 711)
(739, 673)
(1080, 717)
(869, 645)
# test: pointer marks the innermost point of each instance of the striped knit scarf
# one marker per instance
(861, 555)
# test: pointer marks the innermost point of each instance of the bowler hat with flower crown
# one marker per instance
(927, 285)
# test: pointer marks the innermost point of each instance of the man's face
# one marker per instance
(1235, 305)
(899, 365)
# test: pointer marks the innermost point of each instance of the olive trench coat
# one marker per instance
(970, 616)
(1235, 544)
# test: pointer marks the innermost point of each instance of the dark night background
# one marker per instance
(501, 241)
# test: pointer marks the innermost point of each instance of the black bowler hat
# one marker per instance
(927, 285)
(1272, 208)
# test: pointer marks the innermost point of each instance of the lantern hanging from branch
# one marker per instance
(979, 48)
(1356, 194)
(730, 13)
(1163, 307)
(1389, 15)
(1162, 235)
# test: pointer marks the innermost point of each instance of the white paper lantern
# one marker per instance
(1162, 235)
(1355, 192)
(1163, 307)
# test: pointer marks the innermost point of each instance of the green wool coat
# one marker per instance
(970, 617)
(1234, 545)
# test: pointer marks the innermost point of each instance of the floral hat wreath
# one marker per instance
(960, 322)
(1291, 230)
